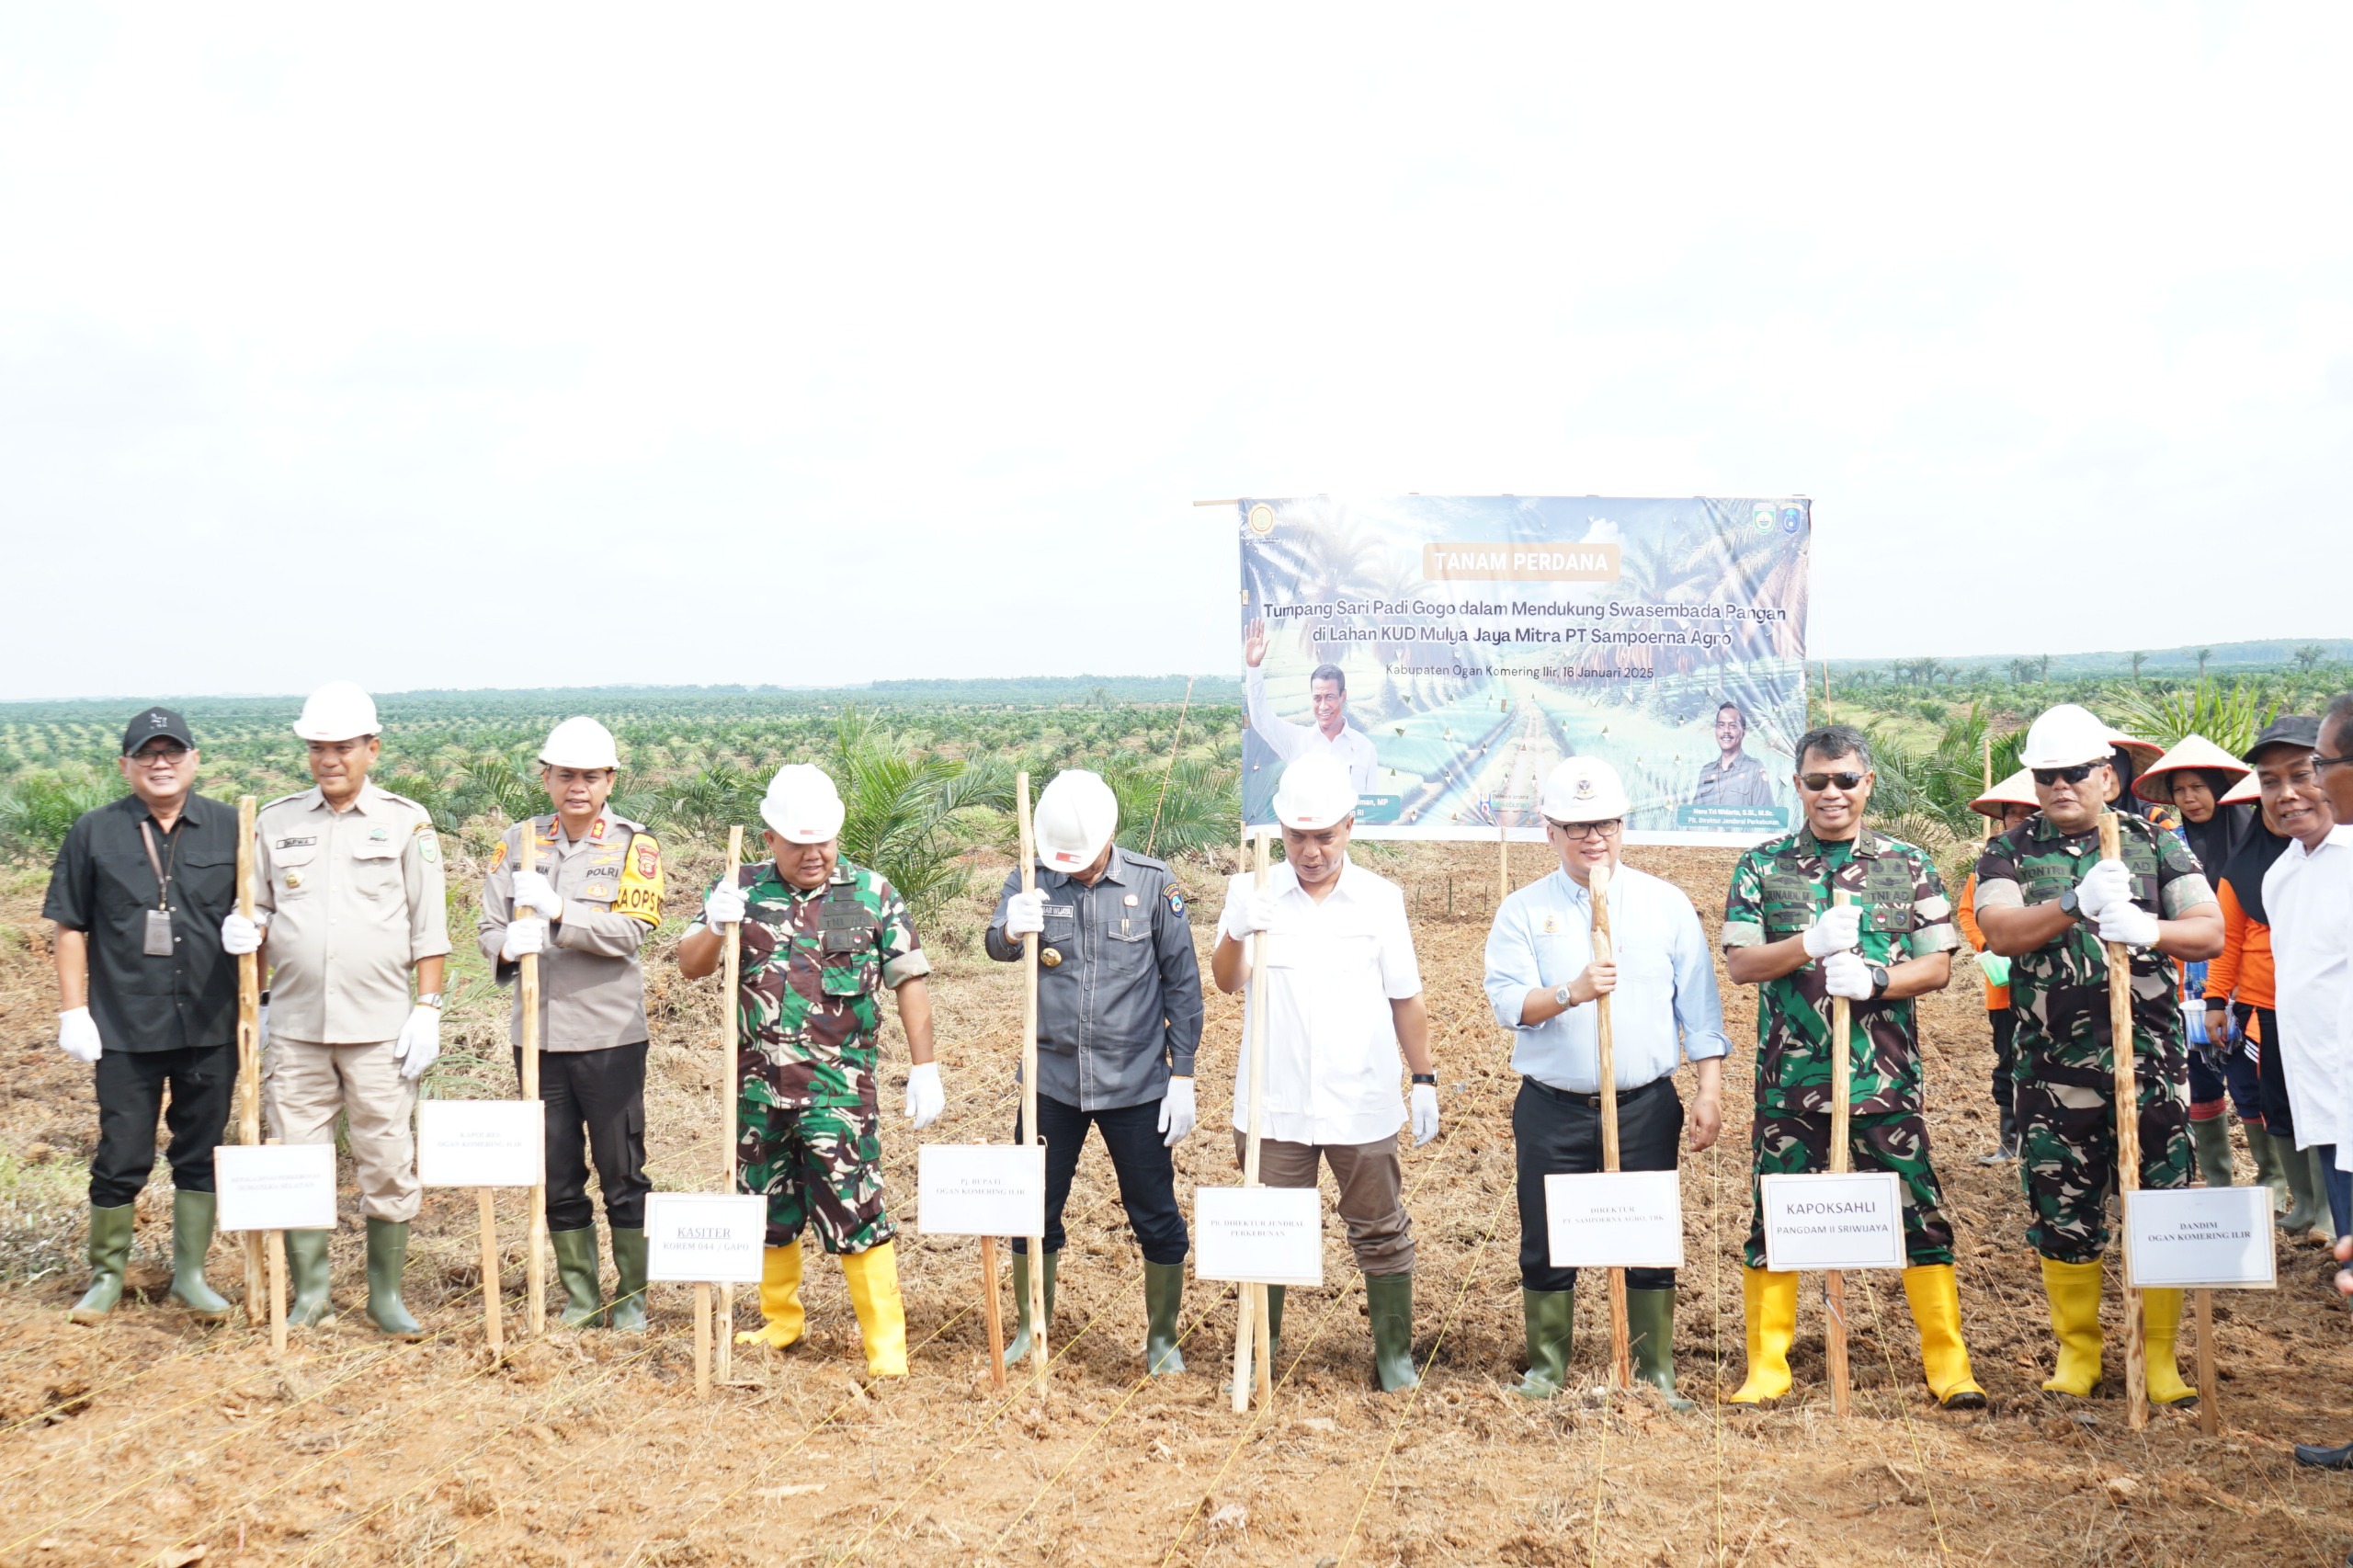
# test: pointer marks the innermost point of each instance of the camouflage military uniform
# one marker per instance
(807, 1014)
(1779, 889)
(2065, 1071)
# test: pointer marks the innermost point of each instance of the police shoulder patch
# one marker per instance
(498, 856)
(1176, 900)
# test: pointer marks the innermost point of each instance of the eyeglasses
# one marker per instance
(167, 756)
(1583, 830)
(2074, 775)
(1818, 782)
(2323, 763)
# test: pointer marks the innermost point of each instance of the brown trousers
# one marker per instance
(302, 1086)
(1373, 1193)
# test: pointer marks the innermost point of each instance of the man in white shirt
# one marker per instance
(1342, 993)
(1545, 984)
(1327, 690)
(2333, 765)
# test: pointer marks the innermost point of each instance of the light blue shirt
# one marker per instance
(1664, 1011)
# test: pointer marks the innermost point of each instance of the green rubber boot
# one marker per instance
(1390, 1299)
(575, 1270)
(1650, 1329)
(2212, 1139)
(628, 1311)
(2303, 1169)
(387, 1257)
(1164, 1294)
(2268, 1169)
(307, 1275)
(109, 1255)
(1019, 1349)
(1551, 1317)
(191, 1239)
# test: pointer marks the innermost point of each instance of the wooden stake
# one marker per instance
(730, 1092)
(2210, 1402)
(2128, 1140)
(1842, 1072)
(493, 1319)
(1252, 1340)
(527, 992)
(275, 1242)
(1622, 1351)
(990, 1310)
(249, 1052)
(702, 1340)
(1029, 1081)
(1503, 861)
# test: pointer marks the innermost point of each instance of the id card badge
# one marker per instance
(159, 933)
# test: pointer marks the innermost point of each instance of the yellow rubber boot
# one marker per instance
(2160, 1326)
(1935, 1296)
(1770, 1303)
(2074, 1289)
(780, 1299)
(873, 1277)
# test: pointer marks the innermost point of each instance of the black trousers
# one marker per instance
(1146, 1168)
(595, 1102)
(1557, 1133)
(2271, 1077)
(203, 1083)
(2005, 1057)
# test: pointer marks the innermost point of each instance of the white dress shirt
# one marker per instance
(1331, 969)
(2309, 899)
(1664, 1011)
(1291, 741)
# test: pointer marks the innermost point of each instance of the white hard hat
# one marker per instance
(580, 743)
(1584, 789)
(337, 711)
(2065, 736)
(1315, 794)
(801, 804)
(1077, 814)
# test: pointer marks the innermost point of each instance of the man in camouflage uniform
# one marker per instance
(821, 938)
(2042, 889)
(1895, 941)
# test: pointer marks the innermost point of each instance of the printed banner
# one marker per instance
(1450, 650)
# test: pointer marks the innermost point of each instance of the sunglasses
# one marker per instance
(2074, 775)
(1821, 781)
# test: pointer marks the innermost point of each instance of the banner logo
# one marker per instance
(1262, 519)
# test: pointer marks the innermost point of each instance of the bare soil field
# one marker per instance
(157, 1439)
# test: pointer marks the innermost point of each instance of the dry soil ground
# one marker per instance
(157, 1439)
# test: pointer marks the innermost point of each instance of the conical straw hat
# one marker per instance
(2017, 789)
(2193, 751)
(2245, 789)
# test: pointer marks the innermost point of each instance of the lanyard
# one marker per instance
(162, 877)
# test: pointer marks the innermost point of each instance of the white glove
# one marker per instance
(77, 1034)
(1247, 913)
(534, 892)
(2105, 883)
(1840, 929)
(1025, 916)
(420, 1040)
(724, 906)
(925, 1098)
(2129, 923)
(524, 936)
(1846, 974)
(240, 935)
(1177, 1114)
(1424, 1113)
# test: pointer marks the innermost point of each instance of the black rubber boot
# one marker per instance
(307, 1275)
(191, 1239)
(109, 1255)
(387, 1257)
(575, 1270)
(1164, 1295)
(1551, 1320)
(1390, 1299)
(1019, 1349)
(1650, 1329)
(628, 1311)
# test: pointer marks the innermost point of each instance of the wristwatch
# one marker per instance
(1878, 972)
(1561, 994)
(2070, 905)
(1429, 1078)
(429, 999)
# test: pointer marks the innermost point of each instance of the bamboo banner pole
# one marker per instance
(1503, 860)
(249, 1052)
(1842, 1073)
(1029, 1081)
(1252, 1341)
(2128, 1139)
(526, 993)
(730, 1092)
(1621, 1352)
(493, 1318)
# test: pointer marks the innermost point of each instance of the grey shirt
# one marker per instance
(1122, 1010)
(1742, 784)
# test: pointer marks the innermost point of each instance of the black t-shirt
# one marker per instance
(102, 884)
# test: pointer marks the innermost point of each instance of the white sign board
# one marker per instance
(1265, 1235)
(980, 1190)
(1615, 1219)
(1834, 1221)
(275, 1186)
(2200, 1237)
(705, 1237)
(480, 1142)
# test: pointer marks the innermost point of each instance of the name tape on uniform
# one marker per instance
(480, 1142)
(1834, 1221)
(1264, 1235)
(275, 1186)
(1615, 1219)
(2199, 1238)
(705, 1238)
(980, 1190)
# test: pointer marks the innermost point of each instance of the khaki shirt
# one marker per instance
(352, 900)
(592, 986)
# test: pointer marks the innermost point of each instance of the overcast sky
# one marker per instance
(492, 347)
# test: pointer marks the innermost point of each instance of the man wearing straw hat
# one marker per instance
(822, 940)
(1343, 994)
(592, 897)
(1785, 934)
(2009, 803)
(2048, 902)
(1545, 984)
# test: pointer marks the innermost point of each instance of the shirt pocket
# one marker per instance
(294, 869)
(1127, 946)
(376, 867)
(849, 974)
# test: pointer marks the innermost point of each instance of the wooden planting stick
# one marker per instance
(2128, 1140)
(527, 992)
(730, 1089)
(1622, 1351)
(249, 1051)
(702, 1339)
(1842, 1071)
(992, 1312)
(1029, 1081)
(2210, 1403)
(1253, 1344)
(274, 1243)
(492, 1318)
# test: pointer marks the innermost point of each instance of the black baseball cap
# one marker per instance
(154, 721)
(2288, 729)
